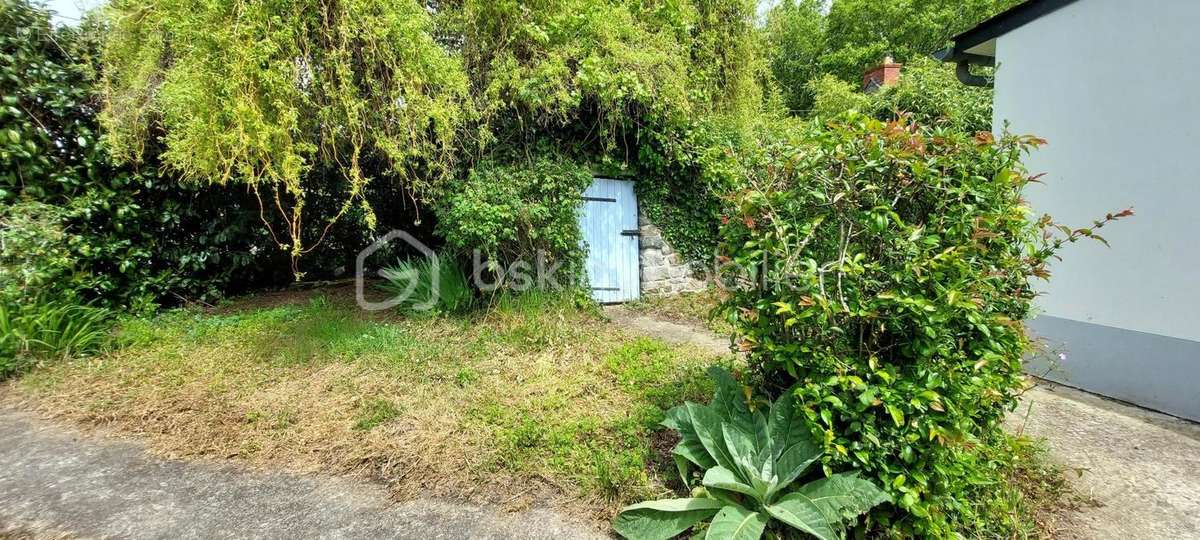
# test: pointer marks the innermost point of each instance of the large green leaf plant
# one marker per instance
(751, 461)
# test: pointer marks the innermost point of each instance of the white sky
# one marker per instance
(69, 11)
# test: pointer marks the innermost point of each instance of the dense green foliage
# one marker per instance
(928, 91)
(517, 214)
(887, 272)
(855, 35)
(795, 31)
(859, 33)
(753, 461)
(72, 223)
(684, 173)
(422, 95)
(258, 94)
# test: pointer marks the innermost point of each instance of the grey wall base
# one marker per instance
(1153, 371)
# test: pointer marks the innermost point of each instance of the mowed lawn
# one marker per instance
(536, 401)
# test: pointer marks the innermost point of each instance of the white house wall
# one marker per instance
(1114, 86)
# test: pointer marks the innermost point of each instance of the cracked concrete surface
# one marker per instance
(1142, 467)
(55, 482)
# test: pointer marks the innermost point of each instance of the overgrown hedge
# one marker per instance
(682, 176)
(77, 226)
(518, 213)
(886, 268)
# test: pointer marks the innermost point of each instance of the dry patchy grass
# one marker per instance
(537, 400)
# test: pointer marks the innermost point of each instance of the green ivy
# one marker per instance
(684, 174)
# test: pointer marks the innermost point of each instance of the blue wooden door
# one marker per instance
(610, 230)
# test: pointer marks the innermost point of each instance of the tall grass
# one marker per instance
(415, 281)
(42, 328)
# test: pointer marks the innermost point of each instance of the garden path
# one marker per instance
(1138, 469)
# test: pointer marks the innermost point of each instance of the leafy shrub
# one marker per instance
(833, 96)
(514, 213)
(752, 459)
(120, 236)
(35, 255)
(887, 274)
(429, 284)
(932, 93)
(35, 263)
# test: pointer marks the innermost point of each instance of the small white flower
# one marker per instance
(1062, 356)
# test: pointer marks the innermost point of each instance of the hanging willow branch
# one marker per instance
(260, 93)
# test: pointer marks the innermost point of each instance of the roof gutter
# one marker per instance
(963, 62)
(990, 29)
(963, 71)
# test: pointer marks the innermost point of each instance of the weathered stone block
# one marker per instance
(655, 273)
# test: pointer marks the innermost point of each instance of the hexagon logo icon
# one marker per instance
(411, 277)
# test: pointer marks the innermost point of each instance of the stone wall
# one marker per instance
(663, 270)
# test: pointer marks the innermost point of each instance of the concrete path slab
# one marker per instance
(1143, 468)
(669, 331)
(56, 483)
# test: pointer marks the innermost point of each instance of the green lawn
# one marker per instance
(536, 401)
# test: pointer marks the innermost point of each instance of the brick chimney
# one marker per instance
(885, 74)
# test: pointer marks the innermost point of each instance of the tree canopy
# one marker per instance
(261, 93)
(854, 35)
(257, 93)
